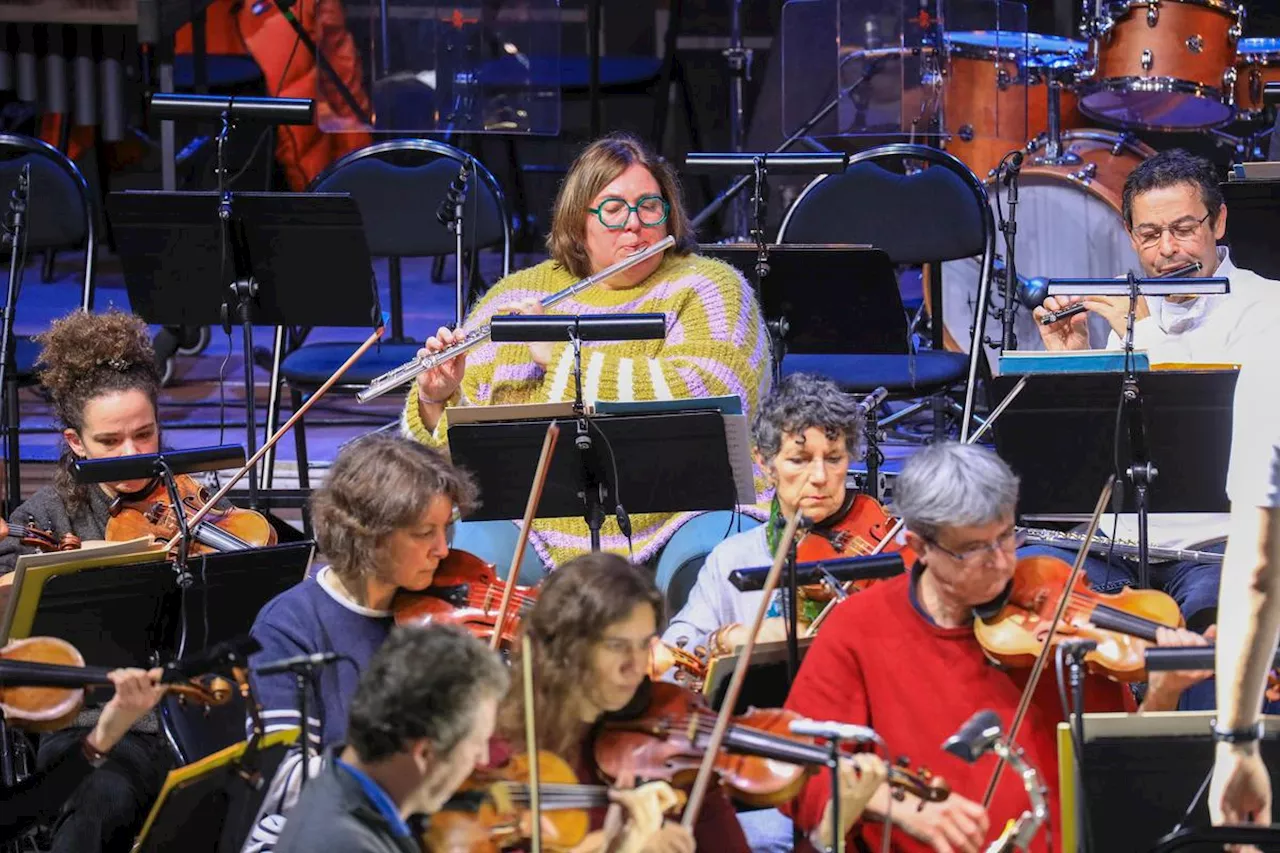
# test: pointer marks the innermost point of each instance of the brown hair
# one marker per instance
(577, 603)
(598, 164)
(85, 356)
(378, 484)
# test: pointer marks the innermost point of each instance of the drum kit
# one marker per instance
(1154, 65)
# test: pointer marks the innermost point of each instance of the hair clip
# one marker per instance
(117, 363)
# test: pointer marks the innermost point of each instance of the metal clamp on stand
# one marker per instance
(982, 733)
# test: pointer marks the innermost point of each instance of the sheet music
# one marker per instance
(737, 436)
(90, 555)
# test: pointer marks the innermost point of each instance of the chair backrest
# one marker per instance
(398, 186)
(930, 215)
(61, 213)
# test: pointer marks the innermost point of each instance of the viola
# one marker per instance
(491, 811)
(42, 682)
(1012, 630)
(667, 737)
(41, 540)
(151, 513)
(465, 591)
(857, 533)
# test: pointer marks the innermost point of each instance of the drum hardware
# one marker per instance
(1153, 13)
(1147, 60)
(1195, 44)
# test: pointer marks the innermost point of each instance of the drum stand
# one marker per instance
(1053, 153)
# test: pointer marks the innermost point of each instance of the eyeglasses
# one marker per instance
(1011, 539)
(1149, 236)
(614, 213)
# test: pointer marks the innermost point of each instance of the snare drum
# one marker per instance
(1257, 64)
(987, 109)
(1069, 225)
(1164, 64)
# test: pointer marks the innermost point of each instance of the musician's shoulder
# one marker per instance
(713, 269)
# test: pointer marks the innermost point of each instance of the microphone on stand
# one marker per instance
(447, 211)
(297, 662)
(872, 401)
(1012, 168)
(834, 731)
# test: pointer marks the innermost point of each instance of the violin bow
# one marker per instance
(530, 510)
(280, 433)
(703, 780)
(897, 525)
(530, 731)
(1028, 691)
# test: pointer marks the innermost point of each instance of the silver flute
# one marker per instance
(393, 379)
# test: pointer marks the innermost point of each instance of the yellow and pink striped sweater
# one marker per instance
(716, 345)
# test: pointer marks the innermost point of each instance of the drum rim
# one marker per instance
(1225, 6)
(1103, 135)
(1026, 57)
(1167, 85)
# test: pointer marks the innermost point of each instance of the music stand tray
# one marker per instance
(666, 461)
(208, 806)
(1059, 436)
(121, 614)
(766, 684)
(306, 251)
(866, 317)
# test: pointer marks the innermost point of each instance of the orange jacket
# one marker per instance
(258, 29)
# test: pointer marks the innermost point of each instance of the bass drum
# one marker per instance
(1069, 226)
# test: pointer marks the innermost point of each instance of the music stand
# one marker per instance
(646, 460)
(296, 259)
(1165, 755)
(210, 806)
(128, 613)
(766, 684)
(1187, 426)
(796, 297)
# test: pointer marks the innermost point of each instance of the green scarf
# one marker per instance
(809, 610)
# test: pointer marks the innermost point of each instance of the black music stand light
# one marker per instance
(294, 259)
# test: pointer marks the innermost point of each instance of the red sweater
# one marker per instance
(880, 661)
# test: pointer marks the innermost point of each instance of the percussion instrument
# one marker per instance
(1162, 64)
(996, 91)
(1257, 64)
(1069, 225)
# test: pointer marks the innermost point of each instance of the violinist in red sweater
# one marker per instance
(901, 657)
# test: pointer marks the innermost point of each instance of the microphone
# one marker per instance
(447, 211)
(834, 731)
(297, 663)
(221, 656)
(872, 401)
(1012, 169)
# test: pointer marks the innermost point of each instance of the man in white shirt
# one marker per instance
(1175, 213)
(1241, 788)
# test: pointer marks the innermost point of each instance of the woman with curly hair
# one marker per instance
(100, 370)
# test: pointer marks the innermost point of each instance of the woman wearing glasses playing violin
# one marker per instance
(617, 199)
(1175, 214)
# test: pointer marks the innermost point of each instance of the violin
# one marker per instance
(42, 682)
(467, 592)
(491, 811)
(1012, 629)
(667, 737)
(41, 540)
(857, 532)
(150, 513)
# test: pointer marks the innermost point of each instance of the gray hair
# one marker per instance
(803, 401)
(954, 485)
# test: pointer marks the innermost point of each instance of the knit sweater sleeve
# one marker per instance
(477, 382)
(716, 345)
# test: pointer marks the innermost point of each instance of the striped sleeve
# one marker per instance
(278, 694)
(716, 345)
